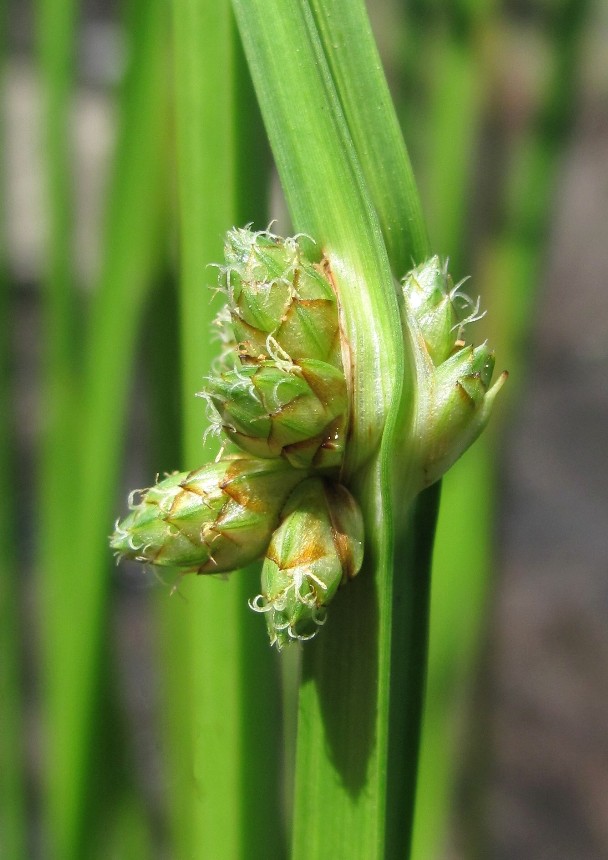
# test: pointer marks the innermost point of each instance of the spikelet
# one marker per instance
(454, 397)
(275, 292)
(211, 520)
(280, 390)
(317, 547)
(296, 412)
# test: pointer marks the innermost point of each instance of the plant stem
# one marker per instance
(461, 572)
(348, 728)
(55, 20)
(76, 596)
(514, 253)
(225, 705)
(55, 30)
(457, 94)
(13, 820)
(13, 815)
(462, 559)
(510, 270)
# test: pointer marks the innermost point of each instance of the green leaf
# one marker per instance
(74, 593)
(220, 676)
(372, 122)
(14, 820)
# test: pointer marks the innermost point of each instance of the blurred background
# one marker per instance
(505, 112)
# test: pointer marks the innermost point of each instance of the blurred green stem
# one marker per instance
(13, 814)
(457, 95)
(55, 25)
(457, 81)
(76, 592)
(221, 677)
(507, 272)
(13, 819)
(55, 30)
(514, 255)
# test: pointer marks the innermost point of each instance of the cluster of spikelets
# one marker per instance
(279, 394)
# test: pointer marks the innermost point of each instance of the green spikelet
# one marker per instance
(211, 520)
(280, 390)
(274, 291)
(459, 407)
(454, 397)
(441, 310)
(279, 408)
(318, 546)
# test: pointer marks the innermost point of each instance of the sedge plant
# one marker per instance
(342, 388)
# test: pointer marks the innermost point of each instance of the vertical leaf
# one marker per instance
(13, 817)
(55, 30)
(75, 595)
(373, 125)
(224, 714)
(508, 272)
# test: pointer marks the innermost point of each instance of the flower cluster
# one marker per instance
(278, 394)
(454, 397)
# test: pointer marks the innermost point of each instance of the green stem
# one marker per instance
(347, 730)
(56, 25)
(510, 270)
(75, 606)
(225, 705)
(458, 89)
(118, 823)
(461, 567)
(55, 20)
(13, 816)
(515, 251)
(13, 821)
(463, 549)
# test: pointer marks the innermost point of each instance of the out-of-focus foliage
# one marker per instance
(104, 695)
